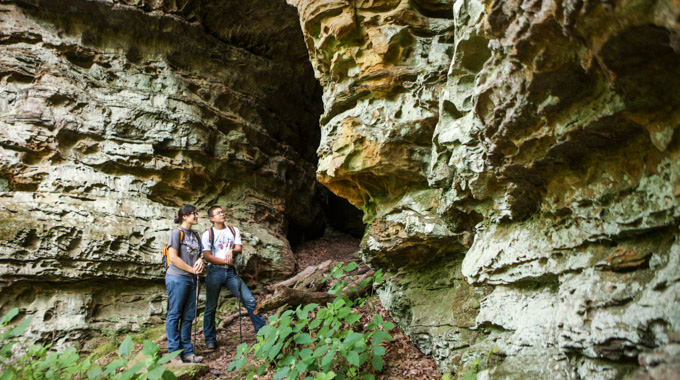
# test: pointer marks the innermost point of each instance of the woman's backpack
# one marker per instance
(164, 259)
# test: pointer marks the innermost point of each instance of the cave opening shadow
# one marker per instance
(336, 213)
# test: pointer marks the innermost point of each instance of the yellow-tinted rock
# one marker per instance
(543, 138)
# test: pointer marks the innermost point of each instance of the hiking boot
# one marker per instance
(176, 360)
(191, 358)
(211, 345)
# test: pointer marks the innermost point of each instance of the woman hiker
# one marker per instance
(184, 264)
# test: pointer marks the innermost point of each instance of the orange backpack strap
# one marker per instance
(233, 232)
(181, 238)
(165, 258)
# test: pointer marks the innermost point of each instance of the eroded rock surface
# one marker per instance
(517, 164)
(114, 113)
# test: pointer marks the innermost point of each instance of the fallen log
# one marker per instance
(230, 318)
(362, 269)
(353, 290)
(291, 297)
(323, 267)
(314, 282)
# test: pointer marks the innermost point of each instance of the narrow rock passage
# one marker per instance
(402, 360)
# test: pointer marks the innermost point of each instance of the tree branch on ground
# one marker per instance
(304, 288)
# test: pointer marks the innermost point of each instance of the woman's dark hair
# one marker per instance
(184, 210)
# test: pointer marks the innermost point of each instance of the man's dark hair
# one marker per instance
(213, 208)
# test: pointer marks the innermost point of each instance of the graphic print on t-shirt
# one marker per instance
(223, 245)
(223, 241)
(192, 245)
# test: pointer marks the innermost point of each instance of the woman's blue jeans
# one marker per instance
(181, 312)
(216, 278)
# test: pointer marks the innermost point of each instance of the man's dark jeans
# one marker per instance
(181, 312)
(216, 278)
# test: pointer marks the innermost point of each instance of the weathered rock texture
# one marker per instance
(517, 163)
(114, 113)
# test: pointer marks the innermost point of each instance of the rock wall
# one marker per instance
(517, 165)
(114, 113)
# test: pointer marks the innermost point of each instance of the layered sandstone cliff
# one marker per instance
(517, 164)
(114, 113)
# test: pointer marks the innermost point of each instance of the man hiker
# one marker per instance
(220, 244)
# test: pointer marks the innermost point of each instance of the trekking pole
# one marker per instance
(240, 331)
(193, 338)
(238, 277)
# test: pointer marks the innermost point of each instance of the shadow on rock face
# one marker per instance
(644, 66)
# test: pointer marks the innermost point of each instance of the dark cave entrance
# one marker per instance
(330, 210)
(293, 101)
(297, 126)
(337, 213)
(273, 87)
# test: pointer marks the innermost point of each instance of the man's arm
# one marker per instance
(208, 256)
(230, 254)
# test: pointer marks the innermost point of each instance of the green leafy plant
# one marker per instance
(314, 342)
(471, 373)
(36, 361)
(489, 360)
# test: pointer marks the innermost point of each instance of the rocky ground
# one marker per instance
(403, 360)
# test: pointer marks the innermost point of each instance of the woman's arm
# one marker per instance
(178, 262)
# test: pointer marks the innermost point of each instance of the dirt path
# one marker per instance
(402, 360)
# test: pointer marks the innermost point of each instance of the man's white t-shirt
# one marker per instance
(224, 240)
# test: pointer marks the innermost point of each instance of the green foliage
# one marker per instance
(314, 342)
(485, 362)
(36, 361)
(471, 373)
